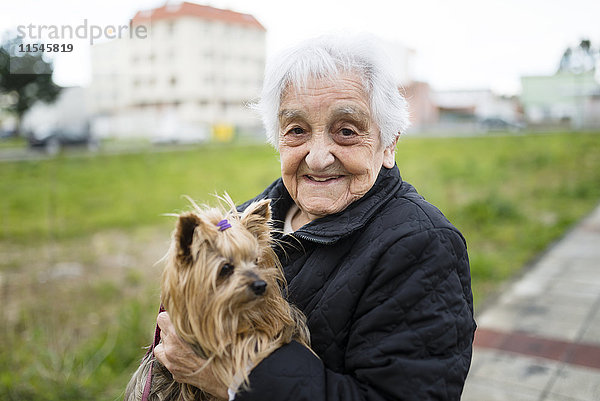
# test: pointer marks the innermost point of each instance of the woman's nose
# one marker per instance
(319, 155)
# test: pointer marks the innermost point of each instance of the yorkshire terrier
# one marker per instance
(222, 286)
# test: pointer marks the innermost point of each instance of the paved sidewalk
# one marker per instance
(540, 341)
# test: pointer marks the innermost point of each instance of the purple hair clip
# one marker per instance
(223, 225)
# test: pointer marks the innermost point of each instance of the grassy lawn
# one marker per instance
(74, 331)
(68, 197)
(510, 196)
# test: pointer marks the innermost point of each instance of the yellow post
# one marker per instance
(223, 132)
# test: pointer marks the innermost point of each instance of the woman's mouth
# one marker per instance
(322, 178)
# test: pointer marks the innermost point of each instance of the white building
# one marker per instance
(469, 111)
(565, 98)
(191, 68)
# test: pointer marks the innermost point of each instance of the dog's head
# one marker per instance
(221, 275)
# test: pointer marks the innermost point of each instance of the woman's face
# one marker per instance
(330, 148)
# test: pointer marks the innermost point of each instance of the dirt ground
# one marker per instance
(56, 271)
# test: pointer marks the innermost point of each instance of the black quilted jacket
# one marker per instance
(385, 285)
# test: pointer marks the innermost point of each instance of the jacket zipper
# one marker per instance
(311, 239)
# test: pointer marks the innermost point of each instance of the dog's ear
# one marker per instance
(184, 235)
(256, 218)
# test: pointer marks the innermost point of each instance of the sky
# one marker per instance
(458, 44)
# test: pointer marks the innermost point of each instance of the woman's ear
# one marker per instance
(389, 154)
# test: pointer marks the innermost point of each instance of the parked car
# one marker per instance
(173, 131)
(52, 140)
(498, 124)
(6, 133)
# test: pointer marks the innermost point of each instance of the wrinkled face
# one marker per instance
(329, 145)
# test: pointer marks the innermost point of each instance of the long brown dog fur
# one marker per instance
(213, 306)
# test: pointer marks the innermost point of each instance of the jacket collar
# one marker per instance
(331, 228)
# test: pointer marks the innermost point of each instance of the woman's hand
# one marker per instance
(182, 362)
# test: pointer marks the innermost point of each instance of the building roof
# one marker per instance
(185, 9)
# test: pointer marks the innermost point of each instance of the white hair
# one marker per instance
(328, 57)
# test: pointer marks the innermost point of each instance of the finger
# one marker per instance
(159, 353)
(164, 323)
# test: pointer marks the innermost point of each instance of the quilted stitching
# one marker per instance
(389, 306)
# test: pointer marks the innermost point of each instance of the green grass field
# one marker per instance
(78, 338)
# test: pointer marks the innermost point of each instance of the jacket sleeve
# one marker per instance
(410, 338)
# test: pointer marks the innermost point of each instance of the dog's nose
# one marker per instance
(259, 287)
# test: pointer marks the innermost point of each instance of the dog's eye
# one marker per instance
(226, 270)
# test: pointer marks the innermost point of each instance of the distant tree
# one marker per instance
(25, 77)
(565, 61)
(585, 45)
(579, 59)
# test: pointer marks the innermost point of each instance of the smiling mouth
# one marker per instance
(322, 179)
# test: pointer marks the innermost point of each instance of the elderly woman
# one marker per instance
(381, 274)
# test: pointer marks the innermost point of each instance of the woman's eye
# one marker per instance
(226, 270)
(347, 132)
(296, 131)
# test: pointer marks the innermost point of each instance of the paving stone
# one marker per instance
(482, 389)
(541, 339)
(530, 372)
(584, 289)
(577, 382)
(561, 322)
(591, 335)
(579, 245)
(558, 397)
